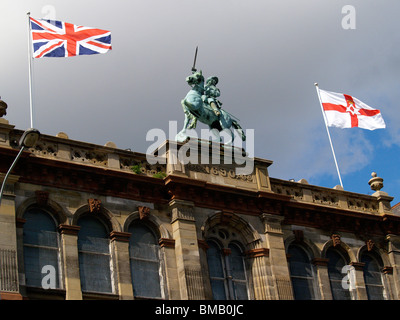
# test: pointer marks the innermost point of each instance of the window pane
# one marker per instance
(240, 289)
(35, 259)
(214, 260)
(145, 261)
(236, 263)
(299, 262)
(335, 266)
(373, 277)
(218, 289)
(302, 289)
(95, 272)
(301, 273)
(40, 246)
(94, 255)
(338, 292)
(146, 279)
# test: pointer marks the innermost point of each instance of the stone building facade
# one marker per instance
(84, 221)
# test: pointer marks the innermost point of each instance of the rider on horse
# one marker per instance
(211, 92)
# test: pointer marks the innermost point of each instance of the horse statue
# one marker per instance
(196, 107)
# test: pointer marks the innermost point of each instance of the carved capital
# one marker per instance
(387, 270)
(255, 253)
(69, 229)
(120, 236)
(320, 262)
(358, 265)
(166, 242)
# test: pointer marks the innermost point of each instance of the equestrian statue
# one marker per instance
(201, 104)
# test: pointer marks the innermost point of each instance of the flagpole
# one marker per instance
(30, 69)
(329, 136)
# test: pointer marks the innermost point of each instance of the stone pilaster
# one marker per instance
(359, 292)
(258, 260)
(321, 266)
(186, 251)
(120, 244)
(277, 256)
(168, 250)
(69, 242)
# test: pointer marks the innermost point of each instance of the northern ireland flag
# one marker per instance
(51, 38)
(344, 111)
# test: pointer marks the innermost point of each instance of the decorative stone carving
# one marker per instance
(144, 212)
(370, 244)
(94, 205)
(335, 239)
(375, 182)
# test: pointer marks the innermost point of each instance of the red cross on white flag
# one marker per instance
(344, 111)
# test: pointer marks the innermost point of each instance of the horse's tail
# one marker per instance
(239, 129)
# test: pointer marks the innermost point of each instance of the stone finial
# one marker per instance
(62, 135)
(3, 107)
(375, 182)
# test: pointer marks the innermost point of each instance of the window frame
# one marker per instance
(158, 260)
(109, 255)
(56, 248)
(224, 253)
(311, 278)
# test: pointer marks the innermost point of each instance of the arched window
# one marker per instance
(145, 261)
(227, 272)
(301, 273)
(216, 271)
(41, 248)
(94, 255)
(373, 276)
(337, 272)
(236, 264)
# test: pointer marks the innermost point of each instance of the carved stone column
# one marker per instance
(69, 242)
(120, 243)
(359, 292)
(9, 284)
(277, 256)
(260, 267)
(321, 266)
(168, 250)
(186, 251)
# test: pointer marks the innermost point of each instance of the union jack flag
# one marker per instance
(51, 38)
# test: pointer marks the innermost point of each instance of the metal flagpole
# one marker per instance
(30, 68)
(329, 136)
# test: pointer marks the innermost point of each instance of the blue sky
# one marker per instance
(267, 55)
